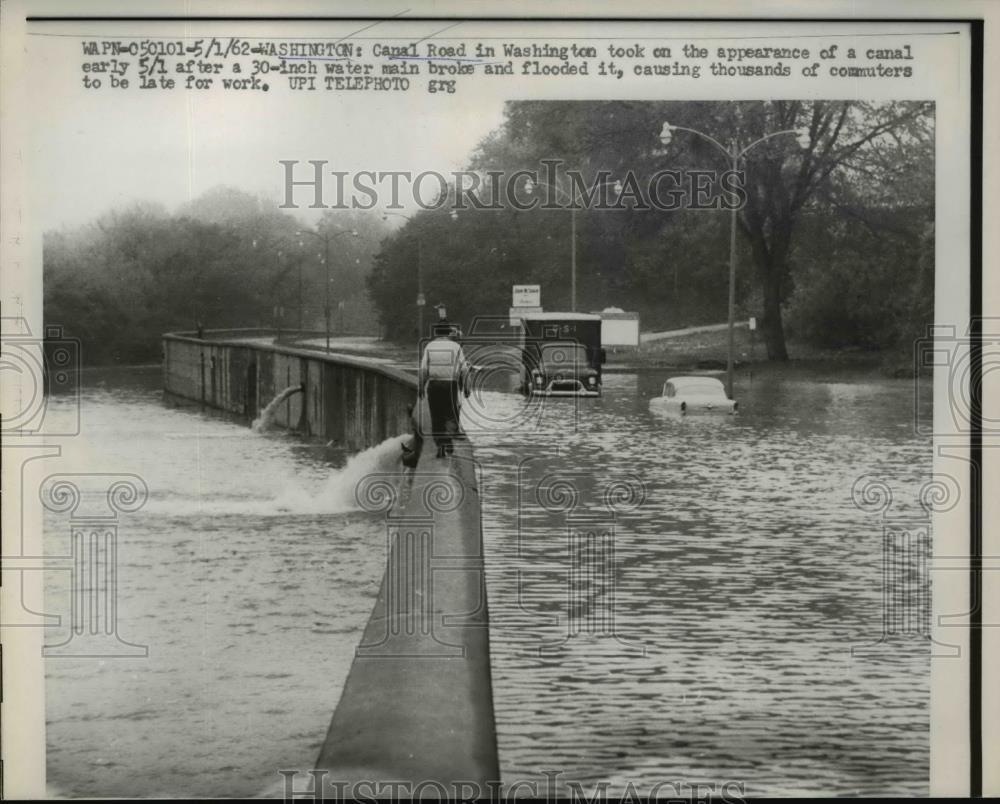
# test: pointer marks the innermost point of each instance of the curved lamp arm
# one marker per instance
(733, 155)
(704, 136)
(802, 135)
(398, 215)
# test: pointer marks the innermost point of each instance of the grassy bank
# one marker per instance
(707, 351)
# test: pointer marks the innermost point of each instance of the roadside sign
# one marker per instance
(618, 328)
(527, 296)
(753, 323)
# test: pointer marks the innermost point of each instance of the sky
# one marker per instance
(95, 150)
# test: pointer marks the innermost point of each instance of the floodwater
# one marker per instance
(676, 599)
(248, 574)
(672, 600)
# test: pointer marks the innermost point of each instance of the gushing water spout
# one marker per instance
(266, 419)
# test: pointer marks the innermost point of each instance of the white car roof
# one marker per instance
(687, 382)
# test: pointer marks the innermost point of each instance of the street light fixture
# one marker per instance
(421, 299)
(326, 237)
(267, 243)
(530, 185)
(733, 154)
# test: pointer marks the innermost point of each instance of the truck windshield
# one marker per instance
(563, 355)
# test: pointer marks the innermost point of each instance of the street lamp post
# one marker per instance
(421, 300)
(733, 155)
(266, 243)
(562, 194)
(300, 261)
(326, 237)
(326, 289)
(280, 311)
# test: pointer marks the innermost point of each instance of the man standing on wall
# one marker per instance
(443, 372)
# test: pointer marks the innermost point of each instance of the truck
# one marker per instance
(561, 353)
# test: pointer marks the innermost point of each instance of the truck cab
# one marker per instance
(561, 354)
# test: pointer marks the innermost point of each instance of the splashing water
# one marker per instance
(266, 419)
(338, 493)
(335, 495)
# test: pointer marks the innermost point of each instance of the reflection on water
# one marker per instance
(702, 633)
(676, 599)
(246, 574)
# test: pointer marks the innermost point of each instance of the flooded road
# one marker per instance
(677, 599)
(248, 574)
(671, 599)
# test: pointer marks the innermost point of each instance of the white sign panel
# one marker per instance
(620, 331)
(527, 296)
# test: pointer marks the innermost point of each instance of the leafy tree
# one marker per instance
(227, 259)
(869, 162)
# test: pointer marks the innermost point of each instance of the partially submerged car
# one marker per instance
(685, 395)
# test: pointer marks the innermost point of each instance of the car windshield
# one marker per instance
(563, 355)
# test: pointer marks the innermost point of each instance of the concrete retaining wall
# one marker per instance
(352, 401)
(417, 707)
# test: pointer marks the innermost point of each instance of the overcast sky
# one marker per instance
(95, 150)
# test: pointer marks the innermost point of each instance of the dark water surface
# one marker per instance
(704, 633)
(671, 599)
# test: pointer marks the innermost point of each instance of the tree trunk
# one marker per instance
(774, 330)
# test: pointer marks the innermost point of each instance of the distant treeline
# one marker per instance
(835, 244)
(226, 259)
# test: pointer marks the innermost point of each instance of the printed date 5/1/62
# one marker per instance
(175, 47)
